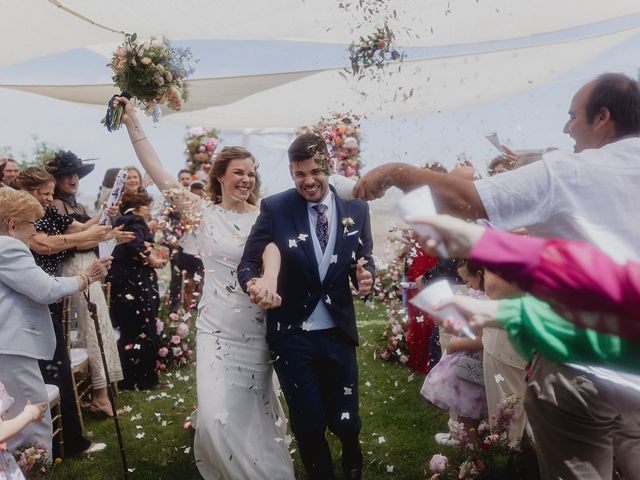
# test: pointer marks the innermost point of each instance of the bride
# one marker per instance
(241, 427)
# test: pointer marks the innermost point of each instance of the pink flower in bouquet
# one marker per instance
(459, 434)
(182, 330)
(162, 367)
(163, 352)
(173, 317)
(438, 463)
(211, 144)
(159, 326)
(491, 439)
(396, 329)
(350, 172)
(175, 340)
(403, 359)
(468, 471)
(202, 149)
(350, 142)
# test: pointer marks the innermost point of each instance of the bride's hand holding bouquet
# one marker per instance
(153, 73)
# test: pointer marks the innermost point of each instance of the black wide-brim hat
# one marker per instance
(68, 163)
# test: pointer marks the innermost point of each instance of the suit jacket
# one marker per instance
(25, 293)
(284, 220)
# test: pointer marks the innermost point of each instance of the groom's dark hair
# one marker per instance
(307, 145)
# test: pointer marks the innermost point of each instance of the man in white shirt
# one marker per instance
(581, 417)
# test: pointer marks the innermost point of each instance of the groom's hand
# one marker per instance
(365, 280)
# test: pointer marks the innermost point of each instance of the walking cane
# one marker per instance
(93, 311)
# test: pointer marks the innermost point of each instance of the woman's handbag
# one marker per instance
(470, 369)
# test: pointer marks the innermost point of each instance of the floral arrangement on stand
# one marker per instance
(341, 132)
(492, 459)
(175, 349)
(201, 143)
(388, 290)
(34, 462)
(153, 73)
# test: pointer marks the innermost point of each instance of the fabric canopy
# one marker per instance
(32, 28)
(419, 87)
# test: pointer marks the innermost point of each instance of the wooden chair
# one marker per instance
(80, 375)
(56, 415)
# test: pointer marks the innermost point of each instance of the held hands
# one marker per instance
(478, 313)
(35, 410)
(365, 280)
(263, 292)
(458, 236)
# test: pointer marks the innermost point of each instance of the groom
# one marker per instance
(324, 241)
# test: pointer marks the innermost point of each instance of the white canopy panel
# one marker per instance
(32, 28)
(420, 87)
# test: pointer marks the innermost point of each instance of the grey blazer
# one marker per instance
(25, 293)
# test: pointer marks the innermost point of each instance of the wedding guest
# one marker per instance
(133, 181)
(503, 367)
(67, 170)
(9, 469)
(561, 196)
(185, 178)
(25, 321)
(463, 398)
(9, 170)
(135, 298)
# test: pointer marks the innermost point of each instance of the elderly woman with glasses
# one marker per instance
(26, 330)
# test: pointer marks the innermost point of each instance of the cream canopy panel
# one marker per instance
(437, 84)
(420, 87)
(203, 92)
(35, 28)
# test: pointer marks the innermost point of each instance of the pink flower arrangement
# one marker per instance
(175, 340)
(163, 352)
(438, 463)
(175, 349)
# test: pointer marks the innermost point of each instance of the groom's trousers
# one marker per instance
(318, 373)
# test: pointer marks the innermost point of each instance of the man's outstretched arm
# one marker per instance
(261, 235)
(452, 195)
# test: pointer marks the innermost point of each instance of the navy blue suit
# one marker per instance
(317, 369)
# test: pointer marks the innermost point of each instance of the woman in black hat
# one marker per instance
(68, 169)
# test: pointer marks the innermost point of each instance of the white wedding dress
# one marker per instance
(241, 428)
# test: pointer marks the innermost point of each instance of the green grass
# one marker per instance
(391, 409)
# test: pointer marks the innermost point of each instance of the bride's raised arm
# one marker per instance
(148, 157)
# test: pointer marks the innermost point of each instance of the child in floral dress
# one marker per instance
(9, 469)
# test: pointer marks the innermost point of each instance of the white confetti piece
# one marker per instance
(345, 416)
(328, 300)
(334, 259)
(187, 450)
(498, 377)
(128, 296)
(367, 383)
(348, 391)
(302, 237)
(381, 440)
(140, 435)
(389, 468)
(306, 325)
(293, 243)
(419, 319)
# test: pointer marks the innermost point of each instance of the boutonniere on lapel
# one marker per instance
(346, 223)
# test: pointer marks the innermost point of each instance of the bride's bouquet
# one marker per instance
(153, 73)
